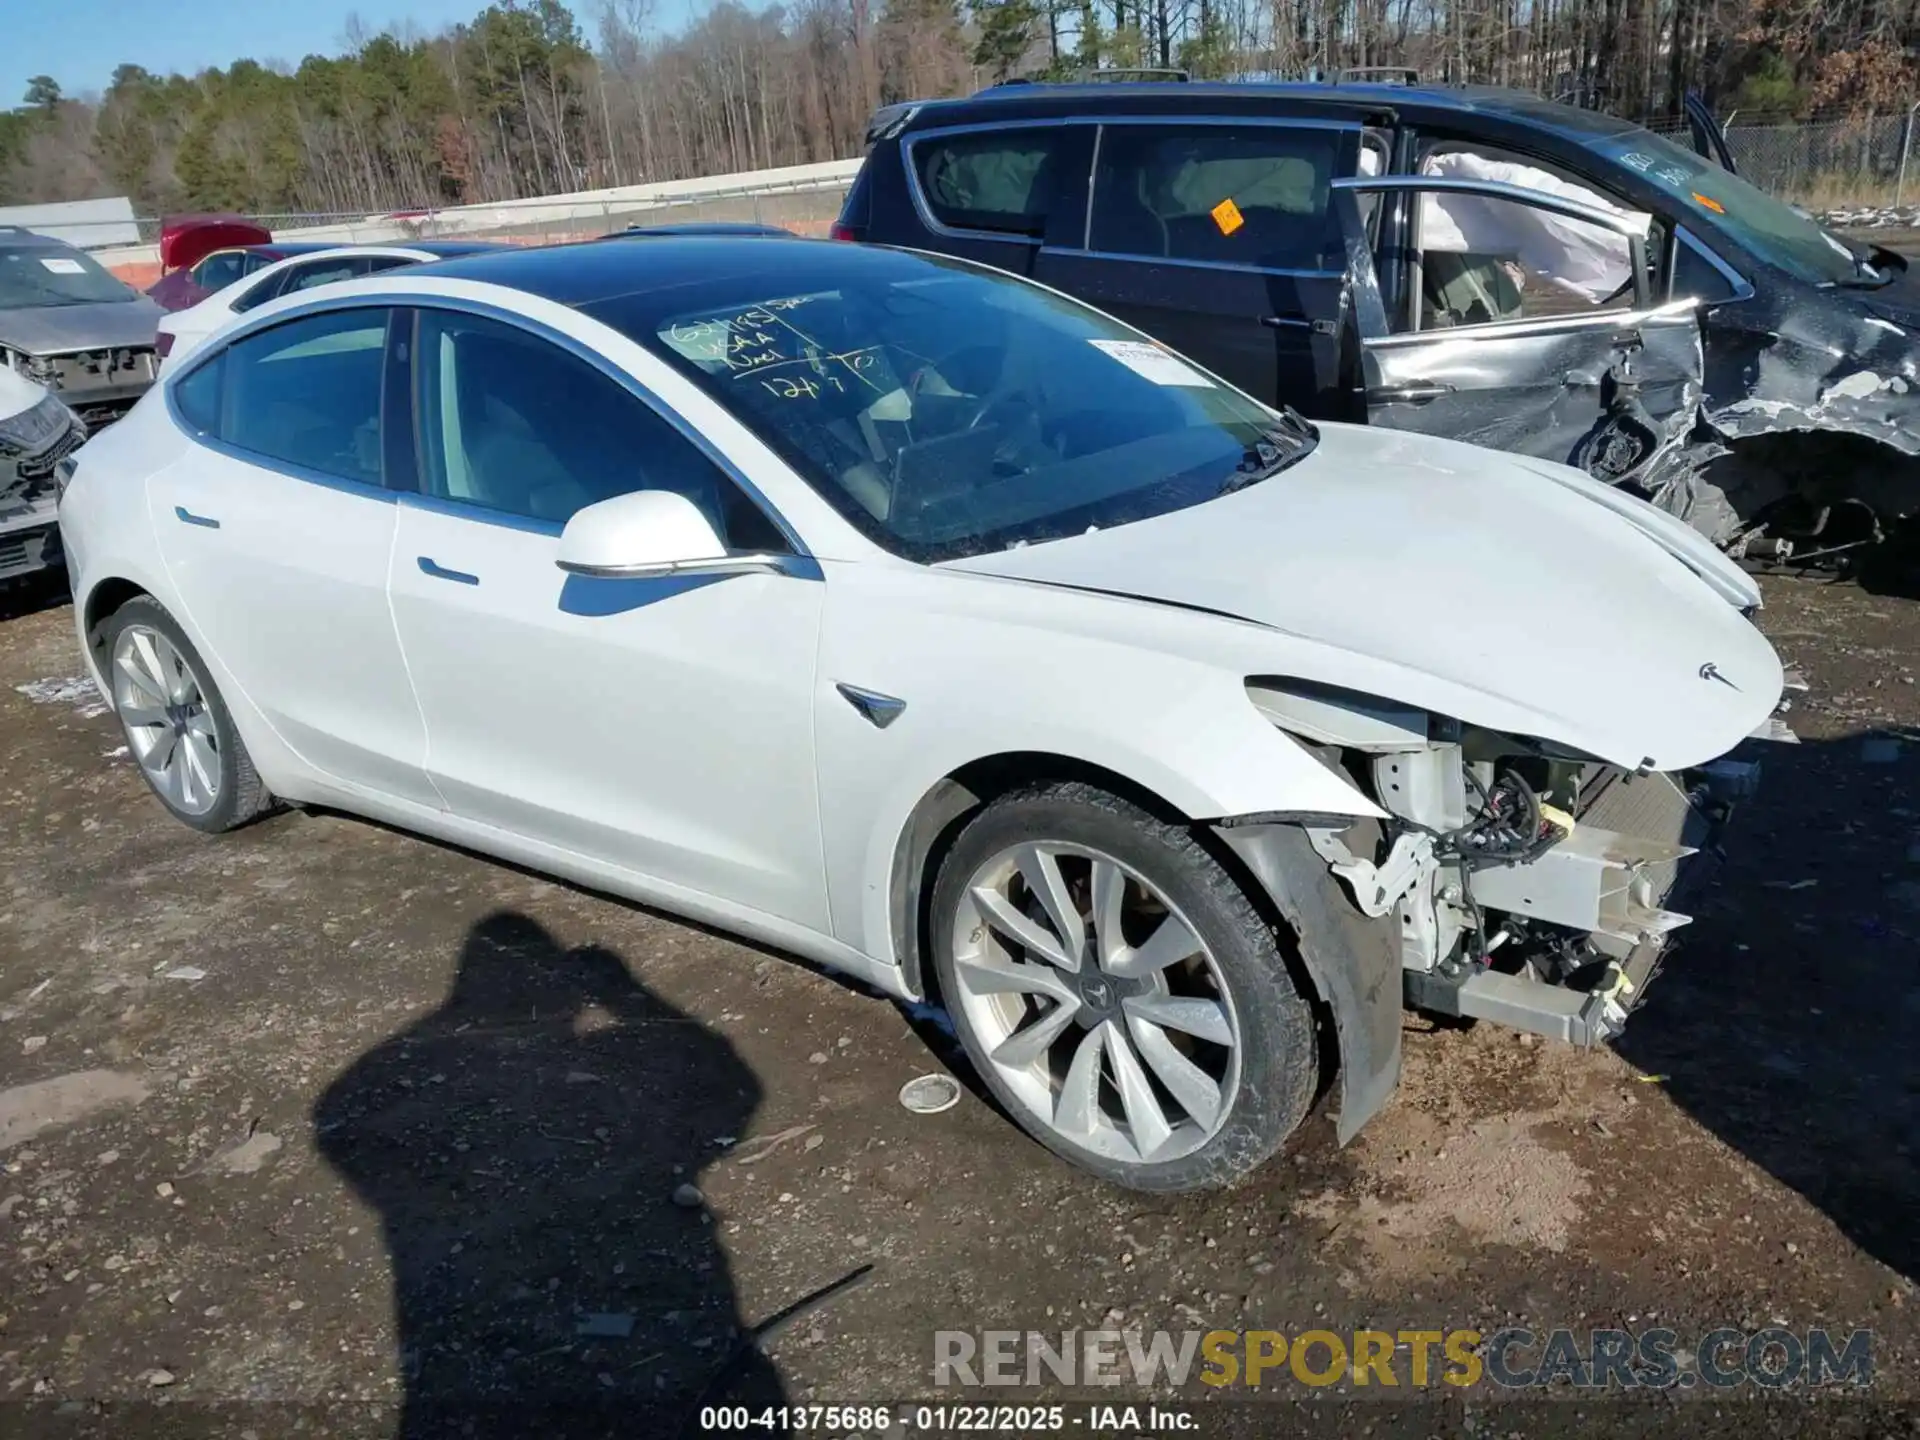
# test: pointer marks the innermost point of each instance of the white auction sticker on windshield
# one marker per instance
(61, 266)
(1153, 363)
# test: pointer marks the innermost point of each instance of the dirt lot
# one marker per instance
(319, 1121)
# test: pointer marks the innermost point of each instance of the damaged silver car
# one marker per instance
(69, 326)
(1473, 263)
(37, 434)
(76, 352)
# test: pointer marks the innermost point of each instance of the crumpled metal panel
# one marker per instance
(1618, 404)
(1819, 367)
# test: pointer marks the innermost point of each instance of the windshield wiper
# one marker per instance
(1261, 460)
(1866, 275)
(1273, 451)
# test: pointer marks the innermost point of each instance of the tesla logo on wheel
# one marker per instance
(1711, 671)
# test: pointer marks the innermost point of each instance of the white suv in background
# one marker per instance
(182, 331)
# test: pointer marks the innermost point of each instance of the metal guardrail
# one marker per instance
(801, 199)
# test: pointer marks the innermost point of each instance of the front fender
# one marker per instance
(981, 680)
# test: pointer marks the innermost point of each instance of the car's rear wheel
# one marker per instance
(1118, 991)
(177, 727)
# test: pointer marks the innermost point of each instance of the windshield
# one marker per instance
(948, 411)
(1772, 230)
(35, 276)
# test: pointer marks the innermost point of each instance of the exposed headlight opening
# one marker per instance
(37, 368)
(1330, 715)
(37, 429)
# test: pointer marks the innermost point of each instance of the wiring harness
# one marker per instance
(1511, 828)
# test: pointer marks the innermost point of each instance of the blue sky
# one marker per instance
(80, 42)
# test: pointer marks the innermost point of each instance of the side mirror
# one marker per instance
(647, 532)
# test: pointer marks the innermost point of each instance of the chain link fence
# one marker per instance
(1857, 162)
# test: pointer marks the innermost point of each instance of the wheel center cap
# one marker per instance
(1097, 992)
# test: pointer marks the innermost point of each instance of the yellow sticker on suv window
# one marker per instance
(1227, 216)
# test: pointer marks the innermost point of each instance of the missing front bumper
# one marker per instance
(1642, 846)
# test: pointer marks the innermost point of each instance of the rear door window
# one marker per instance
(322, 272)
(306, 393)
(1002, 181)
(1254, 195)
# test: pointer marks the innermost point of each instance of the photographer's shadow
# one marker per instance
(522, 1145)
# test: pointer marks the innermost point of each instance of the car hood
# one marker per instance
(58, 329)
(1507, 593)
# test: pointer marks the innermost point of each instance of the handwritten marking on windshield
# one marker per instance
(761, 338)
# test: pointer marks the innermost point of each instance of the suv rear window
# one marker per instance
(1002, 182)
(1239, 195)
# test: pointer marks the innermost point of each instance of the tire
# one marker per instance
(191, 754)
(1140, 889)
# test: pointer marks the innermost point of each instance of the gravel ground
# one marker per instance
(323, 1128)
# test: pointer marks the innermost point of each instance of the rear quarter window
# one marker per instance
(197, 396)
(998, 182)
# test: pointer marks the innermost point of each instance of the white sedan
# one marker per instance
(183, 331)
(937, 628)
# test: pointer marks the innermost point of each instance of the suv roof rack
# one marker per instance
(889, 120)
(1377, 75)
(1122, 73)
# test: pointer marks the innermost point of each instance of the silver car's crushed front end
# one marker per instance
(98, 383)
(32, 445)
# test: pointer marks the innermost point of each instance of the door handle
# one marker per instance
(1297, 322)
(1417, 392)
(440, 572)
(187, 517)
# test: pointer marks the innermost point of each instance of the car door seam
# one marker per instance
(406, 663)
(815, 700)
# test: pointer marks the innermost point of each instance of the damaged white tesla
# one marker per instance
(937, 628)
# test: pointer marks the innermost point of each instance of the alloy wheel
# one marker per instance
(170, 729)
(1096, 1002)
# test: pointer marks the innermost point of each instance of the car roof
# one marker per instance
(584, 275)
(19, 235)
(1107, 97)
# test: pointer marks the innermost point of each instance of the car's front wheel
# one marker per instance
(177, 726)
(1118, 991)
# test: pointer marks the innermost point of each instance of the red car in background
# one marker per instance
(200, 254)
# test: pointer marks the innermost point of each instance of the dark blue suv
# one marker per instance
(1474, 263)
